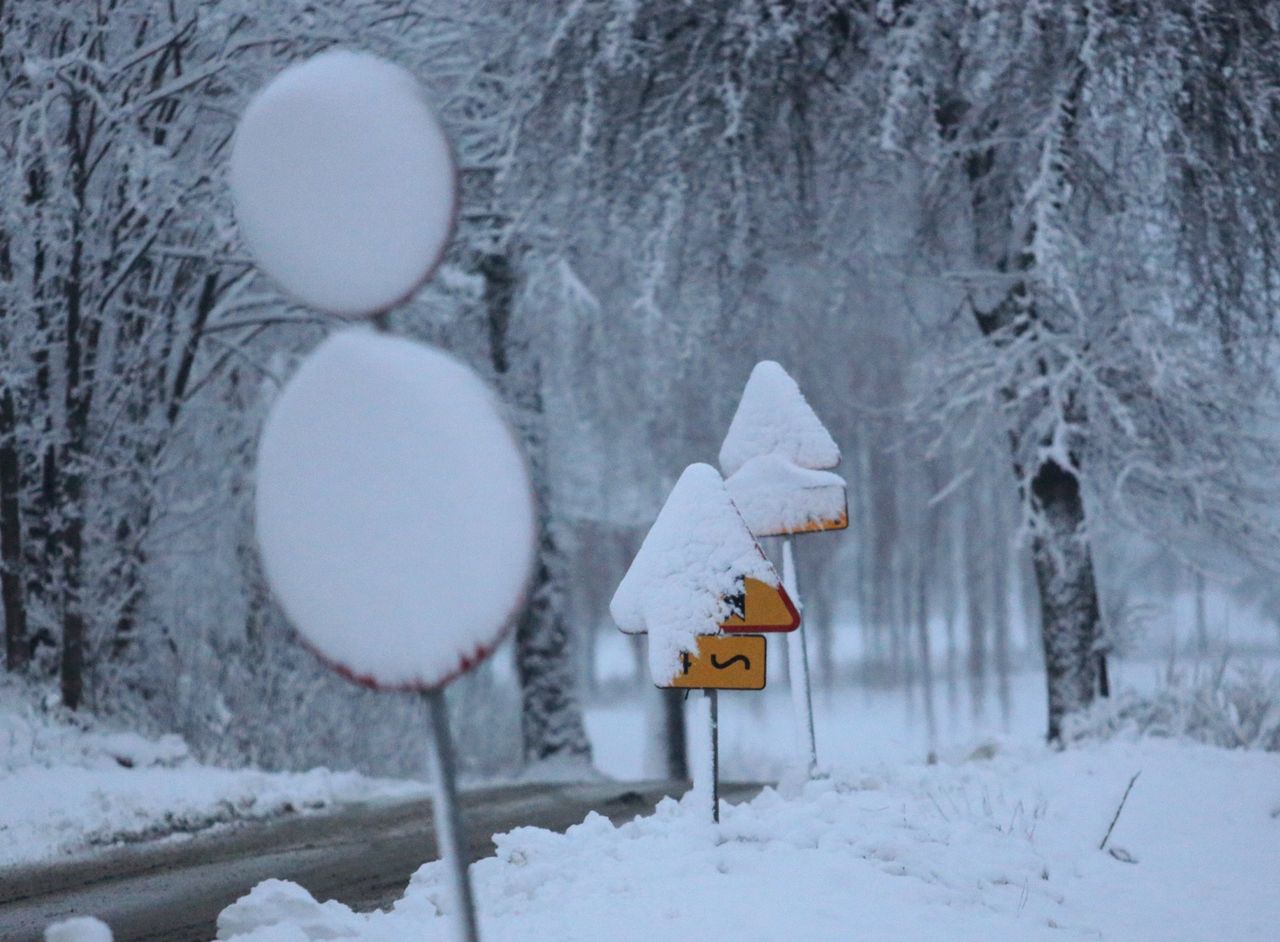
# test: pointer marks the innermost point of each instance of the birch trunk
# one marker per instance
(551, 717)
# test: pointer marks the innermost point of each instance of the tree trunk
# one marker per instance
(923, 573)
(950, 602)
(927, 572)
(551, 717)
(1068, 595)
(71, 668)
(999, 573)
(551, 720)
(976, 618)
(1004, 240)
(17, 646)
(904, 626)
(1202, 620)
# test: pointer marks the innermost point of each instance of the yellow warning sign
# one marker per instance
(723, 662)
(761, 607)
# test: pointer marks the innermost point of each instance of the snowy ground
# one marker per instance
(66, 788)
(977, 847)
(998, 840)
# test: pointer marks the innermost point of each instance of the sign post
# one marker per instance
(394, 511)
(702, 590)
(713, 698)
(798, 664)
(448, 820)
(778, 455)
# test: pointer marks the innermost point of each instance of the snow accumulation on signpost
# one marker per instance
(773, 417)
(689, 569)
(344, 183)
(698, 572)
(393, 510)
(396, 522)
(777, 455)
(777, 497)
(394, 507)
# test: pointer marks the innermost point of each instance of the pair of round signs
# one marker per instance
(394, 510)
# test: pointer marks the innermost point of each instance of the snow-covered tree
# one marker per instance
(1104, 191)
(121, 298)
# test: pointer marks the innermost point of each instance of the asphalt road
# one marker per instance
(363, 855)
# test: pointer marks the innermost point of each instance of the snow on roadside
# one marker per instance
(82, 929)
(1001, 848)
(68, 785)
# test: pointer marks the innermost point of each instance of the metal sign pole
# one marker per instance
(447, 819)
(714, 697)
(798, 662)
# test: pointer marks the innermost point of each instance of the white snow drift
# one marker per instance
(343, 182)
(975, 850)
(68, 784)
(394, 510)
(80, 929)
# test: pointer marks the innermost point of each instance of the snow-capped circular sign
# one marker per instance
(344, 183)
(394, 511)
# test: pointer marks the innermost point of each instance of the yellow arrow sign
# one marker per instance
(723, 662)
(761, 607)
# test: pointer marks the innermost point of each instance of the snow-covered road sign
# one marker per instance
(394, 511)
(777, 457)
(344, 182)
(773, 417)
(778, 498)
(394, 508)
(699, 571)
(758, 606)
(723, 662)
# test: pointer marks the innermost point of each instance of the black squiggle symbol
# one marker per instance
(746, 662)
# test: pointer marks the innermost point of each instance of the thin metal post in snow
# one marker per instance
(714, 697)
(798, 662)
(447, 819)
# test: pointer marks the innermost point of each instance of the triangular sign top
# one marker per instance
(761, 607)
(774, 417)
(690, 571)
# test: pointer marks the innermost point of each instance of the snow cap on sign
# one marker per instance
(394, 511)
(776, 496)
(774, 416)
(691, 562)
(344, 182)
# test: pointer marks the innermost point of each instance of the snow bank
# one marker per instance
(343, 182)
(692, 560)
(394, 510)
(67, 785)
(776, 496)
(981, 850)
(1237, 708)
(84, 929)
(773, 416)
